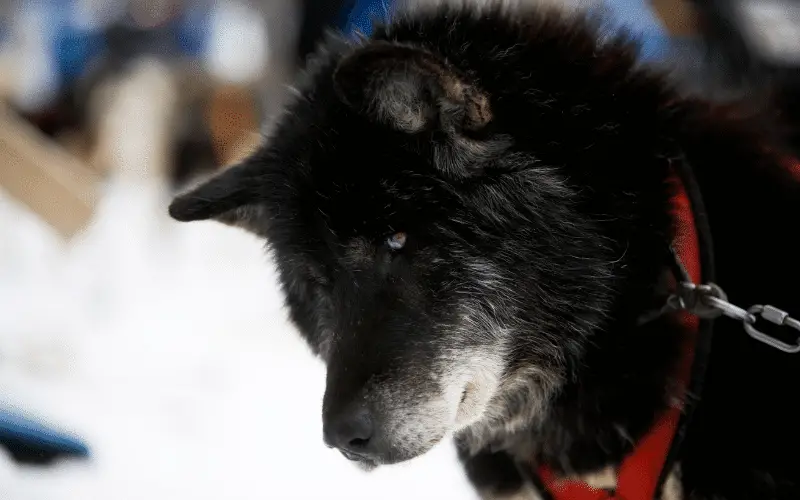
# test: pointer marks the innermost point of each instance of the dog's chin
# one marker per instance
(360, 461)
(363, 463)
(368, 464)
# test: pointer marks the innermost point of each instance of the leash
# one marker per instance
(697, 301)
(709, 301)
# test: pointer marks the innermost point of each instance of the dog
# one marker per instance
(472, 209)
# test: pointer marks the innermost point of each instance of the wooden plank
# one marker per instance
(678, 16)
(52, 183)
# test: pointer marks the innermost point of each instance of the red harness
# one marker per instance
(639, 474)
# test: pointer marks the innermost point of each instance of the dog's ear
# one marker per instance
(410, 89)
(232, 197)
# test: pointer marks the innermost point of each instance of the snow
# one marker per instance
(165, 346)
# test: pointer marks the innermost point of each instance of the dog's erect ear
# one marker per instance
(231, 197)
(408, 88)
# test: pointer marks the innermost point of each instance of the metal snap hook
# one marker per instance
(777, 317)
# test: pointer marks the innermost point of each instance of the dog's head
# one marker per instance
(431, 250)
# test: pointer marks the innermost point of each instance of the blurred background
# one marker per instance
(145, 359)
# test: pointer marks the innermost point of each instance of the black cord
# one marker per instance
(702, 348)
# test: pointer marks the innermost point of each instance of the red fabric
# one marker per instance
(637, 477)
(569, 489)
(794, 168)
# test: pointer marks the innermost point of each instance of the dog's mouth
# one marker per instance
(362, 462)
(469, 407)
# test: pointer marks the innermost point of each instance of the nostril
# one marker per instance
(349, 430)
(357, 443)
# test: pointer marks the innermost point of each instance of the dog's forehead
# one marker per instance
(370, 190)
(355, 177)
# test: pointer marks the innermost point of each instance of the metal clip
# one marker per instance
(710, 301)
(777, 317)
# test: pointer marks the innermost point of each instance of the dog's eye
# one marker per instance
(396, 241)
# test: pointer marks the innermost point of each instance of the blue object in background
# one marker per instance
(638, 17)
(364, 13)
(72, 44)
(74, 49)
(192, 31)
(32, 441)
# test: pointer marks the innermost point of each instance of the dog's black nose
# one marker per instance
(350, 431)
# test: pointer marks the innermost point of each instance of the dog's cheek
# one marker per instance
(309, 311)
(324, 335)
(324, 346)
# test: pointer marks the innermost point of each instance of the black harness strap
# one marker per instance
(702, 348)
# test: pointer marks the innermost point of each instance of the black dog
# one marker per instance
(471, 212)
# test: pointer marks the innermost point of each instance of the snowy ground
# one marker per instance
(165, 347)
